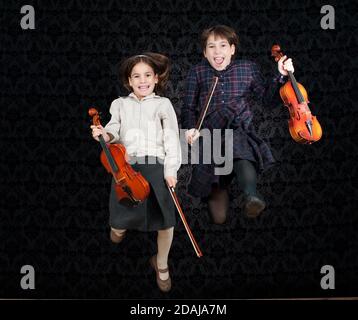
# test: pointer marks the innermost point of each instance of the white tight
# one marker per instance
(164, 242)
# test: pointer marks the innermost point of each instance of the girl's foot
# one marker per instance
(162, 275)
(253, 206)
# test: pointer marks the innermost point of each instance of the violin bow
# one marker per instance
(207, 103)
(182, 216)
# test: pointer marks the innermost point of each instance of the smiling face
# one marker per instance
(218, 52)
(142, 80)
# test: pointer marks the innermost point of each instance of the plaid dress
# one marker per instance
(239, 85)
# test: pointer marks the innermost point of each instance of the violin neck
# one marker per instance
(298, 93)
(108, 154)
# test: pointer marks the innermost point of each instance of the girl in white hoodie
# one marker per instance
(146, 124)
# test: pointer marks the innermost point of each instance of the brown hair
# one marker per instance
(221, 31)
(158, 62)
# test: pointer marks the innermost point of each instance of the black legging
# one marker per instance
(246, 175)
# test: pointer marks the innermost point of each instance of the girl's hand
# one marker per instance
(99, 130)
(284, 66)
(191, 135)
(171, 181)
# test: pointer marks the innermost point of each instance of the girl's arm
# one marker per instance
(114, 125)
(264, 89)
(172, 160)
(191, 97)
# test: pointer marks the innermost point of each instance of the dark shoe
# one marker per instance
(252, 205)
(163, 285)
(218, 204)
(116, 238)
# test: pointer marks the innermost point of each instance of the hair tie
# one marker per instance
(141, 56)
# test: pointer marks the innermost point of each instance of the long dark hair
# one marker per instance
(158, 62)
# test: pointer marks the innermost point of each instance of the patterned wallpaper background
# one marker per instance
(54, 190)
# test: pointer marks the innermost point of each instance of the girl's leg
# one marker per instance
(117, 235)
(246, 175)
(218, 204)
(164, 241)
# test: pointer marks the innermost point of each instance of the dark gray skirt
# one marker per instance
(157, 212)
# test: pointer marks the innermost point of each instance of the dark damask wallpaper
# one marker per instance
(54, 191)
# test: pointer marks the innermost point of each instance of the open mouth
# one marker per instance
(144, 87)
(219, 60)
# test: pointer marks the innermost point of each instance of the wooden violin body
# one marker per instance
(303, 126)
(130, 186)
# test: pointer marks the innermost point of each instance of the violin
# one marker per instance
(303, 126)
(130, 186)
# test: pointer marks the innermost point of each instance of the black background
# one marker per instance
(54, 191)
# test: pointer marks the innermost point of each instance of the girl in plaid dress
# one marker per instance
(240, 81)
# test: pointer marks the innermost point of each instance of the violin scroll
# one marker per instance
(94, 114)
(276, 52)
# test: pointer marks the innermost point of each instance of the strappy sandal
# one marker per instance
(115, 238)
(164, 285)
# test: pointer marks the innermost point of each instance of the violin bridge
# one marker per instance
(118, 181)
